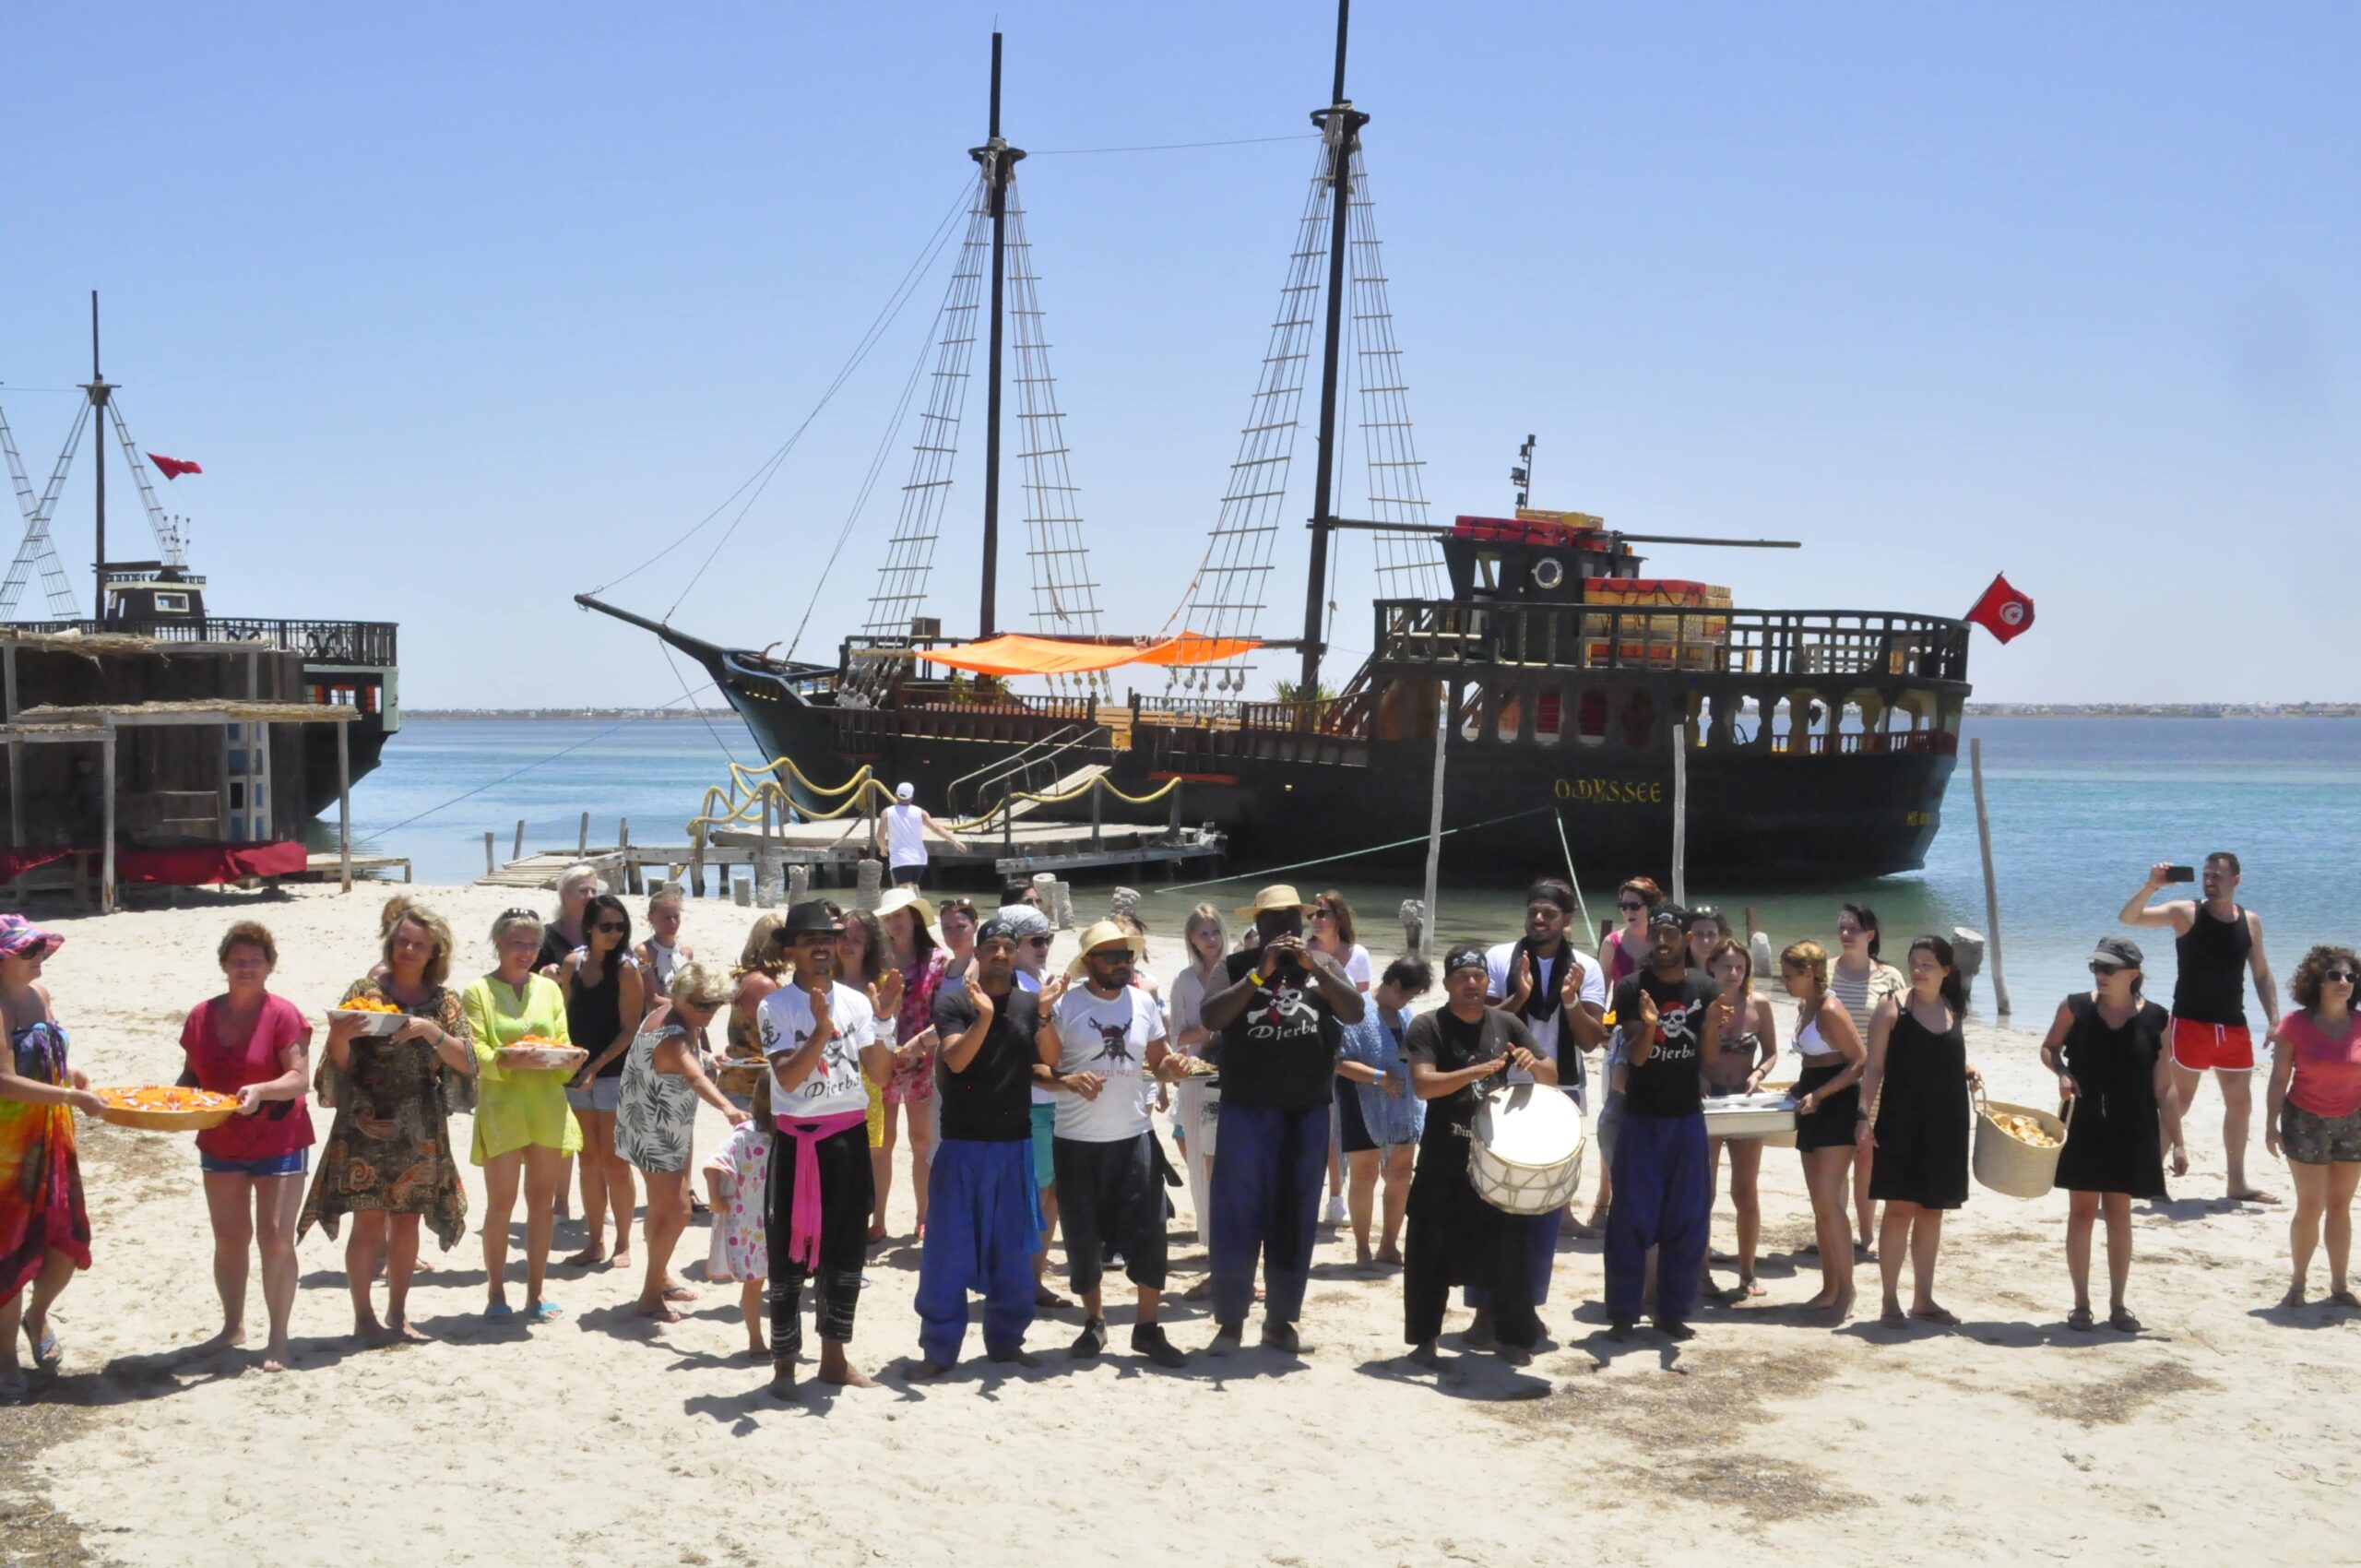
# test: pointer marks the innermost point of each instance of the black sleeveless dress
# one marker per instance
(1922, 1119)
(2115, 1143)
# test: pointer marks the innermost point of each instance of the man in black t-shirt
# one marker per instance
(1280, 1020)
(1664, 1178)
(983, 1212)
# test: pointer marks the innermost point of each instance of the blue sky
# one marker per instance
(466, 308)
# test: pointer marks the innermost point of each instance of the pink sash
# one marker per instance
(803, 1222)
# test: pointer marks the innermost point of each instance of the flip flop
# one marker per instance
(679, 1293)
(548, 1311)
(49, 1352)
(660, 1314)
(500, 1311)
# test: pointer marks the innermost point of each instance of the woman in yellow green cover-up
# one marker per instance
(523, 1126)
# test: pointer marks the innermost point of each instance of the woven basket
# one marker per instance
(2009, 1165)
(156, 1121)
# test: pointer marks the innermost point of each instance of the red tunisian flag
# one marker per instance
(2003, 612)
(173, 467)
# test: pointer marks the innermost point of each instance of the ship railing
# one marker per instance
(1705, 639)
(1870, 743)
(1042, 763)
(322, 642)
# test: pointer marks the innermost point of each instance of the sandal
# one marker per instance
(49, 1352)
(661, 1313)
(500, 1311)
(545, 1312)
(679, 1293)
(2079, 1319)
(2122, 1321)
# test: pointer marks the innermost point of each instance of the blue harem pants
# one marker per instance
(1662, 1196)
(983, 1219)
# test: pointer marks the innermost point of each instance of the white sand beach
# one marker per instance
(605, 1438)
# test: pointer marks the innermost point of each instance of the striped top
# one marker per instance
(1859, 994)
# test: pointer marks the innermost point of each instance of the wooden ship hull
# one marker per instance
(1827, 764)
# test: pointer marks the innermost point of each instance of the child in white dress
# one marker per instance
(736, 1180)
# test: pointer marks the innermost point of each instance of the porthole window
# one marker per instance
(1548, 572)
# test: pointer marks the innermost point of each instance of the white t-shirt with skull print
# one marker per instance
(835, 1085)
(1109, 1037)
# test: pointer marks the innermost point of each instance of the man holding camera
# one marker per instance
(1280, 1020)
(2216, 944)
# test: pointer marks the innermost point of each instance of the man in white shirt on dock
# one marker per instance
(901, 835)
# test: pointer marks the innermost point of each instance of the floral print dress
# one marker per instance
(741, 1247)
(657, 1116)
(913, 1080)
(389, 1148)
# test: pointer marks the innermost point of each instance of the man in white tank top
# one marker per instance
(901, 835)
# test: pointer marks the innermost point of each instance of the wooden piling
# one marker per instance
(582, 844)
(517, 850)
(1680, 814)
(1991, 889)
(622, 847)
(489, 864)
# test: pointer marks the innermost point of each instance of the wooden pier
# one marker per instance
(833, 851)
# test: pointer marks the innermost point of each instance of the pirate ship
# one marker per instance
(1553, 678)
(152, 638)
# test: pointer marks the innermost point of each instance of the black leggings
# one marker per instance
(847, 1190)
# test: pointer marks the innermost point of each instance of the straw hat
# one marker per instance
(1100, 935)
(902, 899)
(1279, 896)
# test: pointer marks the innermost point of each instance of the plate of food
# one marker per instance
(375, 1017)
(167, 1108)
(534, 1054)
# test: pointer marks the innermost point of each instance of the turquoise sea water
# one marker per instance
(2080, 807)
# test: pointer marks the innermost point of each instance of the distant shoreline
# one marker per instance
(1975, 710)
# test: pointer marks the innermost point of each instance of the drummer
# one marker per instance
(1537, 979)
(1455, 1236)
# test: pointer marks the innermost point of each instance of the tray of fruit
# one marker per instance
(166, 1109)
(375, 1017)
(535, 1055)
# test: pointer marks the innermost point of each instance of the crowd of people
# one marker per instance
(1025, 1104)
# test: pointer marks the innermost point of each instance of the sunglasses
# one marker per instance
(2103, 971)
(2339, 977)
(1634, 904)
(1037, 942)
(612, 929)
(1323, 914)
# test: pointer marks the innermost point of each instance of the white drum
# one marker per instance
(1526, 1153)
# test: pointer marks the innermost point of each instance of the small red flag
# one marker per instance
(2003, 612)
(173, 467)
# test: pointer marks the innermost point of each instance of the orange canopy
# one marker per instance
(1015, 654)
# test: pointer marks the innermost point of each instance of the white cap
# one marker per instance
(904, 791)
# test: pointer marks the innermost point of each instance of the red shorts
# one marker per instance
(2227, 1048)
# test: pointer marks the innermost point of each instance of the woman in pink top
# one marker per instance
(257, 1046)
(2314, 1118)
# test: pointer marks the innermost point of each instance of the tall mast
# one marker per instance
(1340, 123)
(998, 159)
(98, 389)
